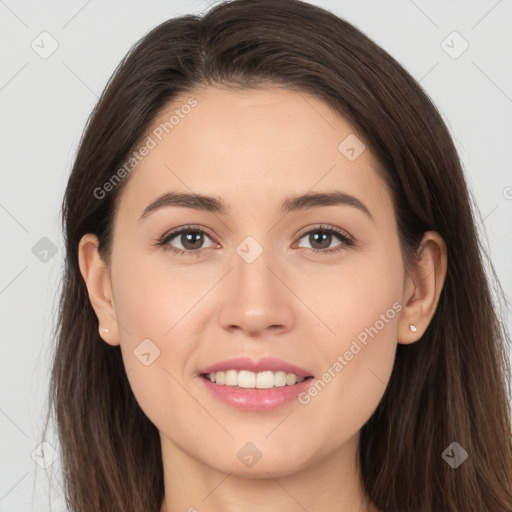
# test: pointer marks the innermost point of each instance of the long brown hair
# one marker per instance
(451, 386)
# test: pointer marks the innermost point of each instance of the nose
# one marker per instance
(258, 301)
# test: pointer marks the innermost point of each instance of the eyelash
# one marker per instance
(167, 237)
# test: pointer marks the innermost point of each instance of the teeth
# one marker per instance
(231, 378)
(247, 379)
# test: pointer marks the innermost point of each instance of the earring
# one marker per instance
(413, 327)
(105, 330)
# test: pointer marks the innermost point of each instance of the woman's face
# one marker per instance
(252, 285)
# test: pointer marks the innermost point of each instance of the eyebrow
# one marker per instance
(218, 205)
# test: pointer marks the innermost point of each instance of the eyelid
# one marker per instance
(324, 227)
(303, 232)
(346, 239)
(164, 241)
(187, 227)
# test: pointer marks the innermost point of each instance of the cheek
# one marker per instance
(361, 308)
(152, 296)
(149, 304)
(368, 311)
(357, 367)
(358, 300)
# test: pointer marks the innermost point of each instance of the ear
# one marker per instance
(97, 279)
(423, 288)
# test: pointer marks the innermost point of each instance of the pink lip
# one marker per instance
(266, 363)
(255, 399)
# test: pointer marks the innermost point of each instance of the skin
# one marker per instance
(289, 303)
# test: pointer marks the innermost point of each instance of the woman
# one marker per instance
(274, 295)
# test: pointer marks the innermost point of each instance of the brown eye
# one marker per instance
(191, 240)
(321, 238)
(185, 240)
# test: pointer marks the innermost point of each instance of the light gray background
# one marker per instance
(44, 106)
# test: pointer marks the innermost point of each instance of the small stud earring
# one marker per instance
(413, 327)
(105, 330)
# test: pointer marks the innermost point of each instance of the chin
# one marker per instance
(278, 466)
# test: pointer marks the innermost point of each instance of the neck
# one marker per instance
(328, 483)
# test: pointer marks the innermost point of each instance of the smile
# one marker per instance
(246, 379)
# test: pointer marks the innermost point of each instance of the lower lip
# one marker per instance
(254, 399)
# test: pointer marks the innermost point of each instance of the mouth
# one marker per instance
(246, 379)
(255, 385)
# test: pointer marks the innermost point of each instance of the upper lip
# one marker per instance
(265, 363)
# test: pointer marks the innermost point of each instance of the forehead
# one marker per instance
(249, 146)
